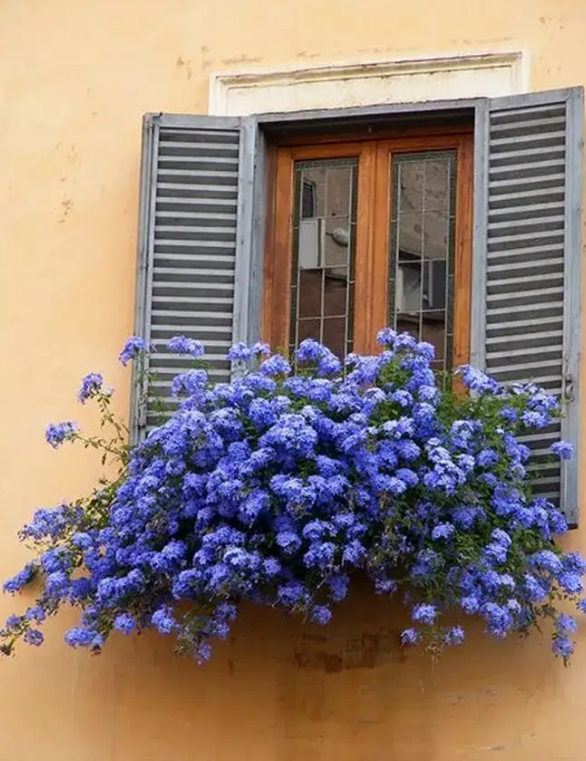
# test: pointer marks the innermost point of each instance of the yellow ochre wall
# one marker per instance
(75, 78)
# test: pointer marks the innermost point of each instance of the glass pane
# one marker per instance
(409, 322)
(422, 248)
(334, 335)
(434, 285)
(313, 192)
(410, 234)
(409, 293)
(322, 280)
(433, 330)
(335, 293)
(435, 235)
(410, 177)
(308, 329)
(338, 186)
(309, 293)
(337, 242)
(308, 199)
(437, 185)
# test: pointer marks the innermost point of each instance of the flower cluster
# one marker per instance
(280, 486)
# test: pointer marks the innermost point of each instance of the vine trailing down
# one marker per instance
(278, 487)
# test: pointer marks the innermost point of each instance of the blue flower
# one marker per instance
(562, 449)
(329, 364)
(36, 614)
(91, 385)
(386, 337)
(79, 636)
(240, 352)
(548, 560)
(33, 637)
(191, 382)
(566, 624)
(275, 366)
(470, 604)
(487, 458)
(133, 348)
(570, 583)
(184, 345)
(424, 614)
(22, 578)
(124, 623)
(13, 623)
(57, 584)
(56, 434)
(163, 621)
(410, 637)
(309, 351)
(338, 585)
(292, 593)
(442, 531)
(562, 647)
(354, 553)
(82, 539)
(454, 635)
(321, 614)
(501, 537)
(288, 541)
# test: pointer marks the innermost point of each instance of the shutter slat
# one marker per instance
(526, 218)
(528, 126)
(534, 251)
(528, 280)
(196, 194)
(503, 200)
(525, 208)
(201, 273)
(528, 138)
(511, 116)
(526, 169)
(525, 155)
(512, 266)
(529, 295)
(517, 241)
(544, 335)
(163, 243)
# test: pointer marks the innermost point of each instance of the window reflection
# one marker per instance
(322, 281)
(421, 269)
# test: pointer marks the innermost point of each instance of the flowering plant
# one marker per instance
(277, 487)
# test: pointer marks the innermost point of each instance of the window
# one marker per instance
(371, 233)
(460, 222)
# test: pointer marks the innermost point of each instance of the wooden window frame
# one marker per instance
(374, 203)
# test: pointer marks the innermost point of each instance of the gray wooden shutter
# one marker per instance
(526, 316)
(194, 245)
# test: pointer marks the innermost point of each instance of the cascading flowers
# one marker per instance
(280, 486)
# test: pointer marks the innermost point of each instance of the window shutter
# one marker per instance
(194, 246)
(526, 316)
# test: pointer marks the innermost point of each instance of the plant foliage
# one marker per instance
(278, 487)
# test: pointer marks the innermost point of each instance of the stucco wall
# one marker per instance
(75, 78)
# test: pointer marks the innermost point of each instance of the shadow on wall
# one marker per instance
(284, 690)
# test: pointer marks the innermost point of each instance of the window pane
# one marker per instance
(322, 278)
(334, 337)
(421, 262)
(309, 297)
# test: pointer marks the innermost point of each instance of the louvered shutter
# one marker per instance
(194, 246)
(527, 261)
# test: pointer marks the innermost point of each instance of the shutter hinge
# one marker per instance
(142, 415)
(567, 383)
